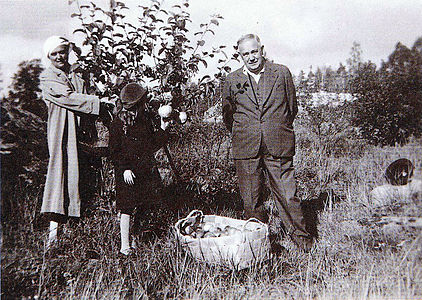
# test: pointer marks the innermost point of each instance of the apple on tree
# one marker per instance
(165, 111)
(183, 117)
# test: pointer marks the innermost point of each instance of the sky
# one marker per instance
(296, 33)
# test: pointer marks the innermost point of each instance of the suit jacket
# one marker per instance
(264, 115)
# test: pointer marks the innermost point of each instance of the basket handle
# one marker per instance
(252, 220)
(191, 214)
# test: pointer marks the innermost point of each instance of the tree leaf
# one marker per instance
(204, 62)
(201, 43)
(161, 51)
(205, 78)
(79, 30)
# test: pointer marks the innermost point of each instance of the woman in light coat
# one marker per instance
(64, 92)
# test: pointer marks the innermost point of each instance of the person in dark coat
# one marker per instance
(133, 141)
(259, 107)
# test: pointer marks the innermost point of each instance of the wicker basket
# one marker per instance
(238, 251)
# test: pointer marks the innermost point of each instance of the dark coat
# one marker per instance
(134, 150)
(270, 119)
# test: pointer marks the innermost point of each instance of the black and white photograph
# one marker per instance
(224, 149)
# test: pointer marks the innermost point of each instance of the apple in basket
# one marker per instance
(165, 111)
(231, 230)
(208, 230)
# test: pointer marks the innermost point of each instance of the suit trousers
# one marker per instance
(281, 177)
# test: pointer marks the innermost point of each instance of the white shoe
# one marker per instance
(51, 243)
(126, 251)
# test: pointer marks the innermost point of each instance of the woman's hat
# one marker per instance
(53, 42)
(399, 172)
(131, 94)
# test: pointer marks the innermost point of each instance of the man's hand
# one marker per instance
(129, 177)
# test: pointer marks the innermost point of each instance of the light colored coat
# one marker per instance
(65, 97)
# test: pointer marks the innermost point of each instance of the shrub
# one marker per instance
(23, 143)
(389, 100)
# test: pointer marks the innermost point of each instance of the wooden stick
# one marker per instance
(171, 162)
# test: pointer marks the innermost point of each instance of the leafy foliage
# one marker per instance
(355, 59)
(327, 129)
(24, 91)
(23, 144)
(157, 50)
(389, 100)
(324, 79)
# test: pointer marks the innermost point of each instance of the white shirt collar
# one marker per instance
(254, 76)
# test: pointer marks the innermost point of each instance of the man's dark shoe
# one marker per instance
(276, 249)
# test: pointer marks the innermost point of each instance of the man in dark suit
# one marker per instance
(259, 107)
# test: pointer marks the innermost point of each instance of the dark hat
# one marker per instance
(131, 94)
(399, 172)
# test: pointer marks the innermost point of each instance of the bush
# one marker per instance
(23, 138)
(389, 100)
(327, 129)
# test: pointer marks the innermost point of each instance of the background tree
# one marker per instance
(25, 91)
(301, 81)
(354, 63)
(417, 46)
(319, 80)
(1, 79)
(389, 100)
(329, 80)
(355, 59)
(23, 136)
(310, 82)
(341, 79)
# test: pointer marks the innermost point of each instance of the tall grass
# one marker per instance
(354, 257)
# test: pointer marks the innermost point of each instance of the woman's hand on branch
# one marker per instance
(129, 177)
(109, 100)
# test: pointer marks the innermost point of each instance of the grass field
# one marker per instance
(355, 257)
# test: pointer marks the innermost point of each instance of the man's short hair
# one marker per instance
(249, 36)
